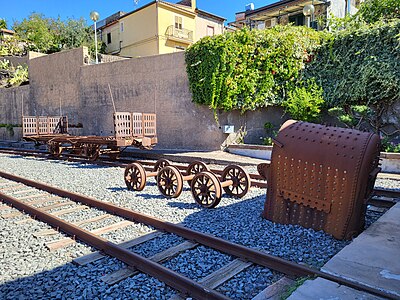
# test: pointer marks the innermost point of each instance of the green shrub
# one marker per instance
(246, 70)
(374, 10)
(360, 67)
(389, 146)
(11, 76)
(305, 101)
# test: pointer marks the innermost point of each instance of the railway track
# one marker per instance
(381, 197)
(25, 195)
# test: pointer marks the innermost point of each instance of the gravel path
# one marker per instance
(28, 270)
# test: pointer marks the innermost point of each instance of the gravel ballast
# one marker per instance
(29, 270)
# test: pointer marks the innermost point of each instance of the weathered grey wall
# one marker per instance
(54, 82)
(11, 104)
(22, 60)
(150, 84)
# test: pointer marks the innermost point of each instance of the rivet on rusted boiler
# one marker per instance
(333, 201)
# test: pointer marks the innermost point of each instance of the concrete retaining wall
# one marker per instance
(65, 83)
(11, 104)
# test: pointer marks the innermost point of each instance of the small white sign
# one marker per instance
(228, 129)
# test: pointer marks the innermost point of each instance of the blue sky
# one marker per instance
(17, 10)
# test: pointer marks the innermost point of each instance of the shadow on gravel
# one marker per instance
(182, 205)
(79, 282)
(85, 166)
(117, 189)
(149, 197)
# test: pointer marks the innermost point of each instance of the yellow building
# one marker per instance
(157, 28)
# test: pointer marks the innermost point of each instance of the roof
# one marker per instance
(267, 7)
(7, 31)
(210, 15)
(182, 5)
(283, 5)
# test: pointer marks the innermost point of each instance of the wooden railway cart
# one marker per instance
(131, 129)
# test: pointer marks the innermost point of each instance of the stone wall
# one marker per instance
(155, 84)
(54, 82)
(11, 100)
(22, 60)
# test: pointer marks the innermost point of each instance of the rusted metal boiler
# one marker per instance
(321, 177)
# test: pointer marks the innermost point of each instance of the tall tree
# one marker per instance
(3, 24)
(50, 35)
(37, 30)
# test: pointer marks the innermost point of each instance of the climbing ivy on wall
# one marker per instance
(245, 69)
(302, 70)
(360, 67)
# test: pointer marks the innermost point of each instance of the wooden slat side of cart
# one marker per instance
(131, 129)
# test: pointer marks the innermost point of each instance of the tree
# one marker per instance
(50, 35)
(3, 24)
(37, 30)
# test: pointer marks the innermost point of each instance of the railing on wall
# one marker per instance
(183, 34)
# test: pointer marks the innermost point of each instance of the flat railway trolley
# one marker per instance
(130, 129)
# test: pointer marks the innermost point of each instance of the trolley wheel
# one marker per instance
(135, 177)
(196, 167)
(91, 151)
(206, 189)
(241, 181)
(54, 148)
(115, 152)
(113, 156)
(170, 181)
(161, 163)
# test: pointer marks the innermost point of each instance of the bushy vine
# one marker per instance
(360, 67)
(246, 70)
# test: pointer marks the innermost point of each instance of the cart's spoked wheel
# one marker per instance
(170, 181)
(206, 189)
(90, 151)
(77, 149)
(196, 167)
(135, 177)
(241, 181)
(54, 148)
(114, 153)
(113, 156)
(93, 152)
(161, 163)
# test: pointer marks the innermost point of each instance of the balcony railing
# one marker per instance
(181, 34)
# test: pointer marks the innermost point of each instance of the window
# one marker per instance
(178, 22)
(109, 38)
(210, 30)
(297, 20)
(122, 26)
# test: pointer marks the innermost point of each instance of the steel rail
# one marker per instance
(124, 162)
(169, 277)
(119, 163)
(248, 254)
(386, 193)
